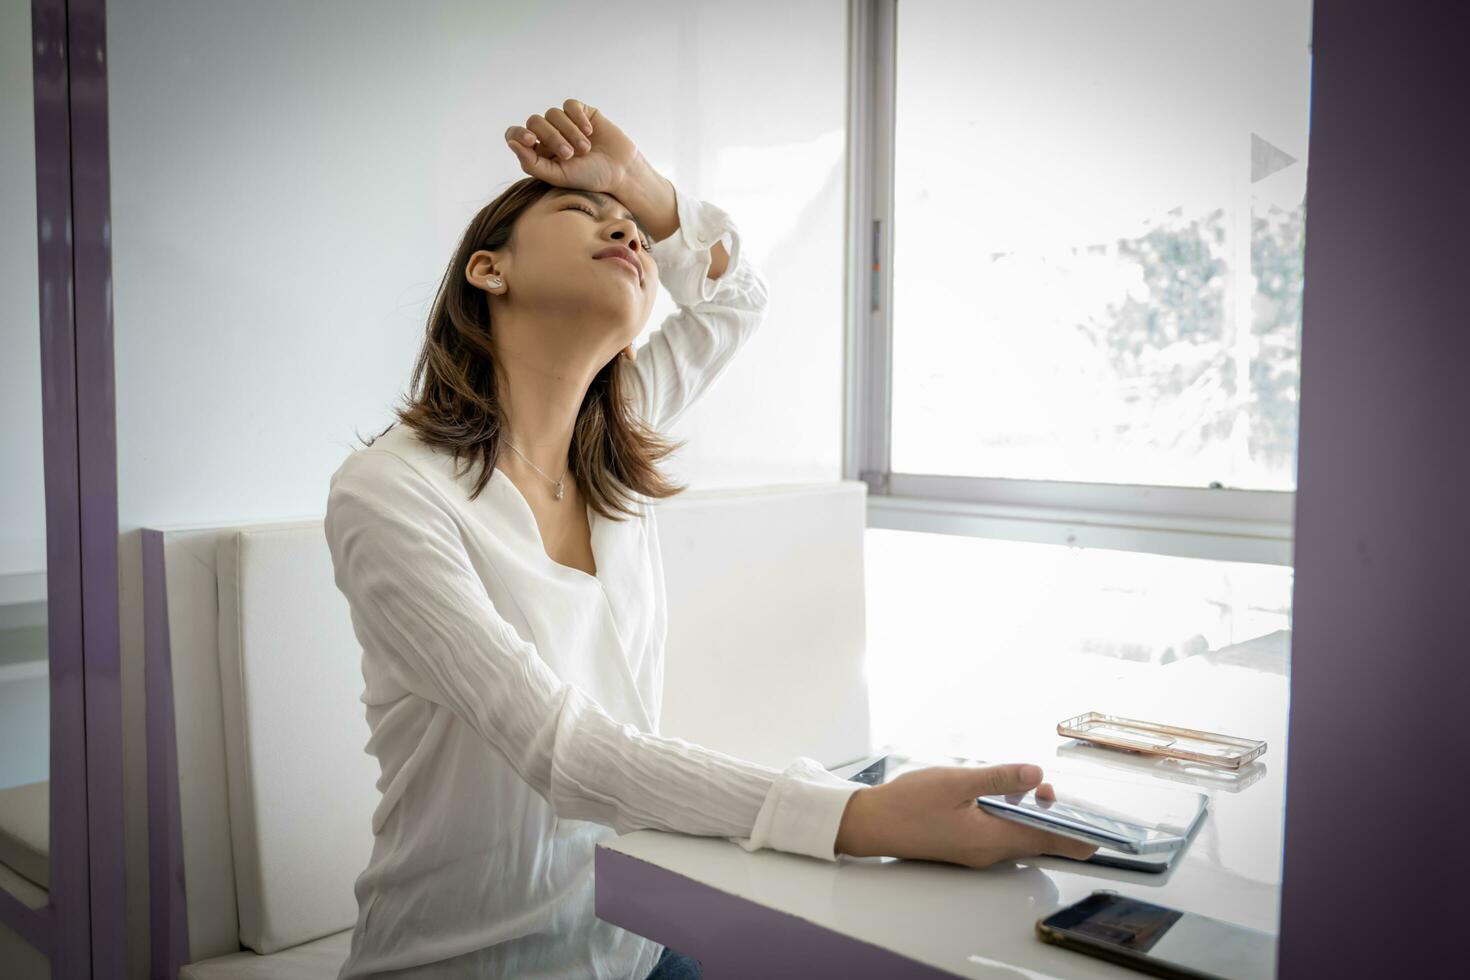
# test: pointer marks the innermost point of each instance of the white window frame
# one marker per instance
(1197, 522)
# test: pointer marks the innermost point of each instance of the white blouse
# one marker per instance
(514, 701)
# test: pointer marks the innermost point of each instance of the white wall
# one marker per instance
(286, 190)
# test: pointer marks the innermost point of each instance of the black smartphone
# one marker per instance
(1161, 941)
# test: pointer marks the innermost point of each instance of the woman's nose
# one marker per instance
(622, 234)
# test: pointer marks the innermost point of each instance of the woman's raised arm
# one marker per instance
(722, 298)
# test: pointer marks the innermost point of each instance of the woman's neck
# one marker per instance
(540, 408)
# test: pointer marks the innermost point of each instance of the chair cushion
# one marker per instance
(25, 831)
(319, 960)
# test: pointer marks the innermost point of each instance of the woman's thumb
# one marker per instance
(527, 156)
(1000, 780)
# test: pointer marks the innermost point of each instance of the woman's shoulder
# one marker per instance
(394, 460)
(400, 467)
(385, 458)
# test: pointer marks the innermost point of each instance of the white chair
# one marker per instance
(260, 791)
(25, 831)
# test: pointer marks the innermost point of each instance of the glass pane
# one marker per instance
(1098, 238)
(25, 725)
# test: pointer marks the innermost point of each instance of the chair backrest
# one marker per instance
(255, 645)
(260, 790)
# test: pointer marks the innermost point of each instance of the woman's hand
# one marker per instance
(930, 814)
(575, 146)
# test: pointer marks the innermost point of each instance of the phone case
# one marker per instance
(1149, 738)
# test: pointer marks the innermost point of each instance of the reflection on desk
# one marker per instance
(1179, 771)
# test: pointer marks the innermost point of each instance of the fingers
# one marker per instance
(521, 135)
(581, 113)
(1046, 792)
(531, 163)
(560, 134)
(1000, 780)
(1066, 847)
(550, 141)
(1023, 841)
(567, 125)
(569, 130)
(557, 134)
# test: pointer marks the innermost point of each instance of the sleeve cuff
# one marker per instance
(802, 812)
(684, 258)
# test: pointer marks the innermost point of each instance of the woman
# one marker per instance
(512, 622)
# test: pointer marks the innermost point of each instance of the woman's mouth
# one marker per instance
(626, 263)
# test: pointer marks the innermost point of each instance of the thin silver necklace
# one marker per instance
(558, 483)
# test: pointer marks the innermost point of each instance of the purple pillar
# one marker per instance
(97, 456)
(1382, 605)
(65, 929)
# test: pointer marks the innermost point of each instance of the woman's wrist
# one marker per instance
(650, 196)
(855, 833)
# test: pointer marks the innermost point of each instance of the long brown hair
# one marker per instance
(452, 402)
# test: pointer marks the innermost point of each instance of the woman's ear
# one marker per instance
(629, 353)
(482, 271)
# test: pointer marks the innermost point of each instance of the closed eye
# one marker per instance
(586, 210)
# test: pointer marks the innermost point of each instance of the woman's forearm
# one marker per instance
(650, 196)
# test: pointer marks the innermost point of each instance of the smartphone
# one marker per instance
(1100, 822)
(1161, 941)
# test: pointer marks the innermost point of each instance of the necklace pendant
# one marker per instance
(558, 491)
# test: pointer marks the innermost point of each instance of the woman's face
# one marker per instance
(551, 276)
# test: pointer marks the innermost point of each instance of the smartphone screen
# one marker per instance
(1165, 937)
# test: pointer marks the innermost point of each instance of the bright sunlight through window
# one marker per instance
(1098, 224)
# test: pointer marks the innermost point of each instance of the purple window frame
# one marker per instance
(83, 927)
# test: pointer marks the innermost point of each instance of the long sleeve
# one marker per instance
(694, 344)
(418, 605)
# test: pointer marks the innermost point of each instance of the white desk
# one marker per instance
(772, 914)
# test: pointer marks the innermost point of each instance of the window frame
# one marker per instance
(1221, 522)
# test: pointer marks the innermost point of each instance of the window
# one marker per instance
(1096, 216)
